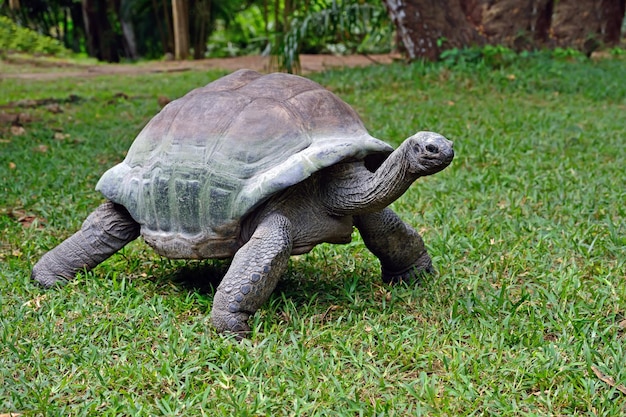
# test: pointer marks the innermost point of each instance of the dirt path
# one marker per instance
(308, 63)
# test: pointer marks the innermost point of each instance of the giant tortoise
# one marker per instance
(255, 168)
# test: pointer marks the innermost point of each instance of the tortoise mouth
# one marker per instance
(430, 164)
(445, 156)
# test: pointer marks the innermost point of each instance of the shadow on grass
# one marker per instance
(300, 284)
(202, 276)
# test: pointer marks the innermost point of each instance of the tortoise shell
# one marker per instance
(208, 159)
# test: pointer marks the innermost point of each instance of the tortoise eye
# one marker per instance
(432, 148)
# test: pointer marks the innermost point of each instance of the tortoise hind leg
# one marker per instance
(399, 247)
(105, 231)
(252, 276)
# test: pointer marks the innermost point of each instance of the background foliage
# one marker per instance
(14, 38)
(226, 28)
(115, 30)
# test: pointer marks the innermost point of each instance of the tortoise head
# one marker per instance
(426, 153)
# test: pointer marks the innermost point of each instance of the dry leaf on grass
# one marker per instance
(35, 304)
(61, 135)
(8, 118)
(163, 101)
(25, 219)
(17, 130)
(325, 316)
(28, 221)
(54, 108)
(608, 380)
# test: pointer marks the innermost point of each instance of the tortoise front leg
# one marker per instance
(104, 232)
(252, 276)
(401, 250)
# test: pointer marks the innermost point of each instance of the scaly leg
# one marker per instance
(104, 232)
(399, 247)
(252, 276)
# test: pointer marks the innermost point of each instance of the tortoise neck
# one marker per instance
(351, 189)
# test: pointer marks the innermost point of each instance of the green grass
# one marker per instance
(527, 229)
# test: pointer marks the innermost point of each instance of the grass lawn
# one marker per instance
(527, 229)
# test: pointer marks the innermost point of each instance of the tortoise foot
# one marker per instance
(45, 276)
(233, 323)
(414, 273)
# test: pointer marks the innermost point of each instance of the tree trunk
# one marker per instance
(587, 24)
(101, 39)
(130, 43)
(517, 24)
(200, 26)
(425, 27)
(613, 12)
(91, 33)
(180, 16)
(79, 31)
(128, 32)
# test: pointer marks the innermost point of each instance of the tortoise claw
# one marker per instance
(414, 273)
(235, 324)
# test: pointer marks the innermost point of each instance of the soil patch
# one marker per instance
(32, 69)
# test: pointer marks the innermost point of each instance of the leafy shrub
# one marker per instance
(498, 56)
(14, 38)
(458, 57)
(567, 54)
(492, 56)
(332, 26)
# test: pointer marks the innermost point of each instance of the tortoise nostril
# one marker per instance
(432, 148)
